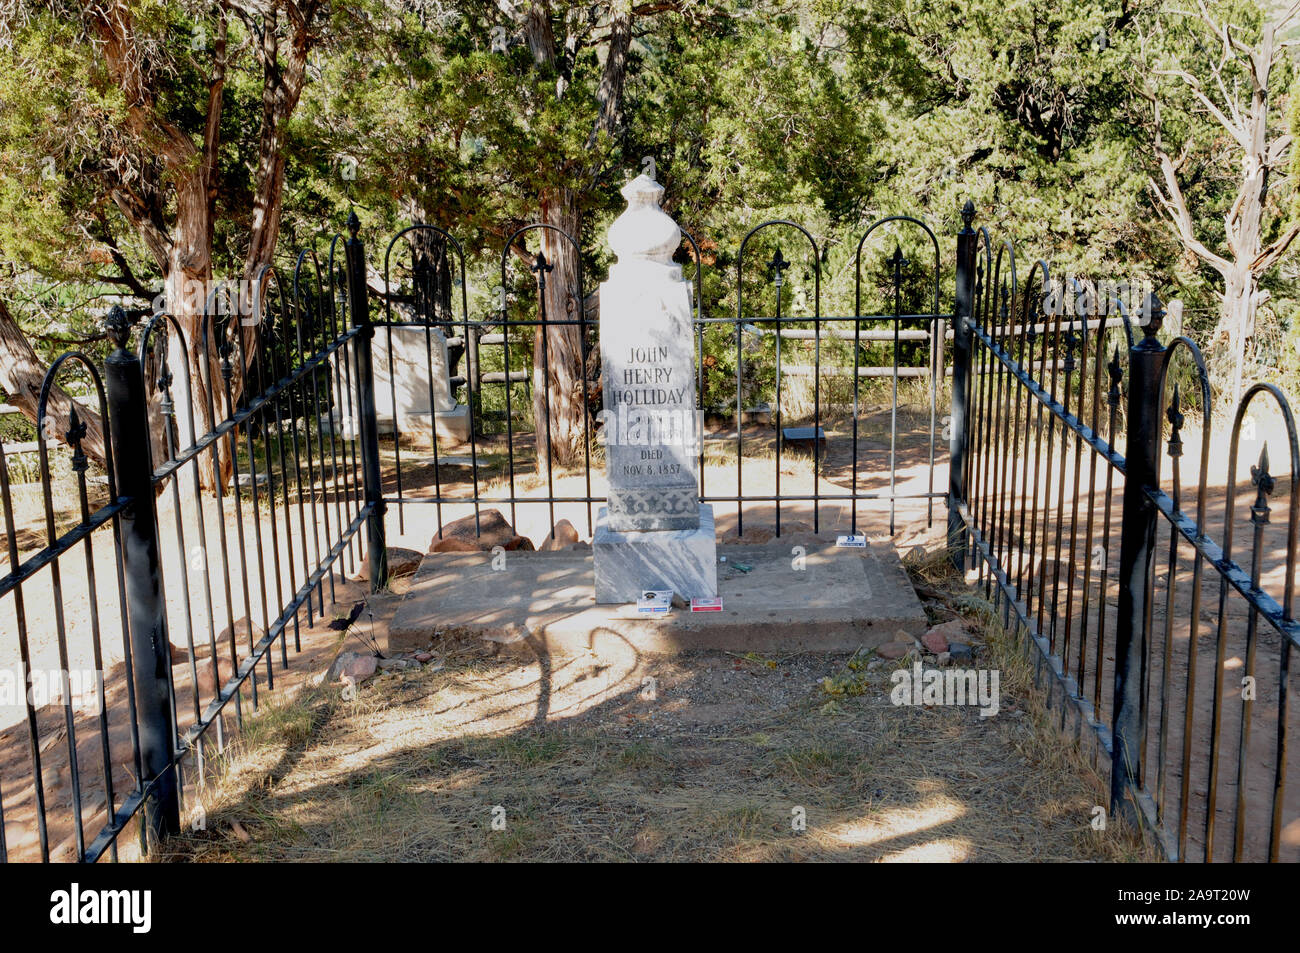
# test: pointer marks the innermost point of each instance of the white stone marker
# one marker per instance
(420, 371)
(654, 534)
(420, 366)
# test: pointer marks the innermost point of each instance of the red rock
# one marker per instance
(561, 537)
(204, 669)
(455, 544)
(358, 668)
(401, 561)
(491, 530)
(246, 634)
(954, 630)
(935, 641)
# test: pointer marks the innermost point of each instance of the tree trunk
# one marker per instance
(1237, 325)
(559, 350)
(21, 376)
(431, 277)
(559, 353)
(187, 284)
(431, 264)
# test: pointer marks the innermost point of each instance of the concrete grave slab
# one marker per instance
(543, 603)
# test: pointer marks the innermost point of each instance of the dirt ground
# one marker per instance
(591, 715)
(706, 757)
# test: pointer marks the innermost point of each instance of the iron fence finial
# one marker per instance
(73, 437)
(968, 214)
(1176, 420)
(778, 264)
(118, 324)
(1265, 483)
(1116, 372)
(1152, 314)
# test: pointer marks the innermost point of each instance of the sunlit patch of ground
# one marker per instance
(702, 757)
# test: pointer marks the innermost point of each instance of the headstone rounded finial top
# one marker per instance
(642, 190)
(643, 232)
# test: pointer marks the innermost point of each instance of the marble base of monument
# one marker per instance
(626, 563)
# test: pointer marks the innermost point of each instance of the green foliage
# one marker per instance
(830, 113)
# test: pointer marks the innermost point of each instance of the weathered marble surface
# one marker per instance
(683, 560)
(654, 534)
(417, 387)
(419, 374)
(651, 427)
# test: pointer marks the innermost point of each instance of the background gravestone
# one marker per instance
(417, 388)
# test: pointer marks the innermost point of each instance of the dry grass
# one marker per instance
(1044, 746)
(576, 762)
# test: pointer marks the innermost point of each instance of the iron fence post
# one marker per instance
(128, 426)
(963, 315)
(1137, 555)
(367, 424)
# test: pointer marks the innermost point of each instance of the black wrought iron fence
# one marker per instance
(749, 364)
(243, 458)
(1060, 504)
(232, 506)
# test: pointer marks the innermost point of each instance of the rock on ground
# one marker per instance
(352, 666)
(403, 562)
(894, 650)
(562, 536)
(459, 535)
(935, 641)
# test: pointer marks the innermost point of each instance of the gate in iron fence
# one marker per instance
(224, 520)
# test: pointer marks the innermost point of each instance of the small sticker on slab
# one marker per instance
(706, 605)
(857, 541)
(654, 602)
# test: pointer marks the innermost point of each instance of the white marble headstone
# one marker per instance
(416, 390)
(647, 354)
(654, 534)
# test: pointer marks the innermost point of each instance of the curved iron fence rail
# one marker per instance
(236, 504)
(1059, 425)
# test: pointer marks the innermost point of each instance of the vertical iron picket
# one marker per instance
(358, 303)
(960, 411)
